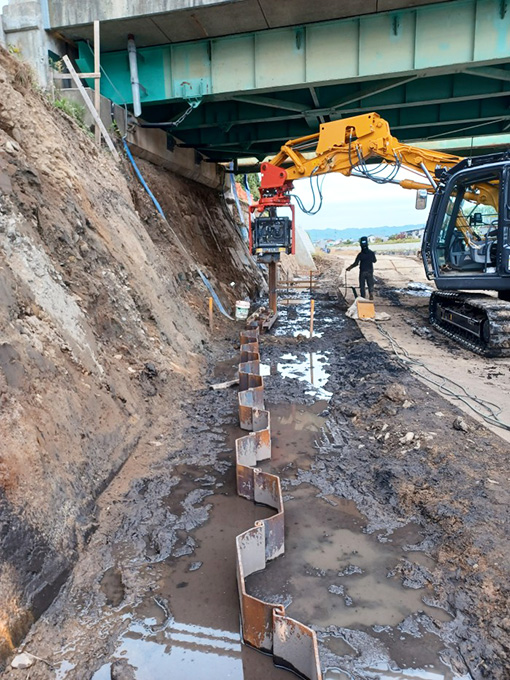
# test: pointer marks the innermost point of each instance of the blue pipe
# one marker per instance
(142, 181)
(215, 297)
(206, 281)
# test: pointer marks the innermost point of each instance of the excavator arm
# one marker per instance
(346, 145)
(457, 253)
(349, 146)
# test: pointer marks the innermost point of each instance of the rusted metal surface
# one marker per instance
(268, 322)
(249, 375)
(265, 625)
(250, 402)
(250, 352)
(256, 615)
(295, 646)
(272, 281)
(250, 450)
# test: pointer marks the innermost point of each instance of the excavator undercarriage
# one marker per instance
(479, 322)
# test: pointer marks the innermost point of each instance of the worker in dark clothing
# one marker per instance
(365, 259)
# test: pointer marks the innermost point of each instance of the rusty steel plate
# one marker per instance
(256, 615)
(251, 403)
(249, 375)
(295, 646)
(250, 352)
(265, 625)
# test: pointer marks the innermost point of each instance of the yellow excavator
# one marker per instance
(466, 243)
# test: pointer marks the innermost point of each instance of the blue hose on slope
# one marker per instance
(206, 281)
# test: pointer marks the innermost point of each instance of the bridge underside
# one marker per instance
(435, 73)
(433, 108)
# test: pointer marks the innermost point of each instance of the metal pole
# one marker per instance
(97, 81)
(133, 68)
(272, 287)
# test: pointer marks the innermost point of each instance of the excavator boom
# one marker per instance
(467, 237)
(343, 145)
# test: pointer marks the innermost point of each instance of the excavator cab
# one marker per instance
(466, 247)
(467, 237)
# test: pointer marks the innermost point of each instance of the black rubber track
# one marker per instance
(495, 312)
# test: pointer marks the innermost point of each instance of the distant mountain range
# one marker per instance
(355, 234)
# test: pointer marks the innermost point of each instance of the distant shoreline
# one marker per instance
(412, 246)
(354, 233)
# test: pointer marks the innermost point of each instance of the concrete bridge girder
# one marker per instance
(162, 21)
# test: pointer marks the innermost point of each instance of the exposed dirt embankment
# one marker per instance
(102, 329)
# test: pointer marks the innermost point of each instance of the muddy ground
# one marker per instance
(403, 292)
(396, 528)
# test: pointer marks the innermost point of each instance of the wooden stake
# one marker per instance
(97, 81)
(66, 76)
(312, 308)
(211, 314)
(311, 282)
(90, 106)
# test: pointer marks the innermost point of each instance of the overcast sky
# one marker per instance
(355, 202)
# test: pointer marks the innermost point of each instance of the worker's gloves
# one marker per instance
(349, 268)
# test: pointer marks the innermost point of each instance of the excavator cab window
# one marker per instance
(467, 241)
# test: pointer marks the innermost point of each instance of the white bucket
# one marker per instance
(242, 309)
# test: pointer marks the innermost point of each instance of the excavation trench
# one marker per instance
(376, 561)
(346, 580)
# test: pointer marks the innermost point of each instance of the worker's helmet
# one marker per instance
(363, 242)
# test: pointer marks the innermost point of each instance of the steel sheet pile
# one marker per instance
(265, 625)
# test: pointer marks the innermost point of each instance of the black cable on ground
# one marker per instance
(489, 412)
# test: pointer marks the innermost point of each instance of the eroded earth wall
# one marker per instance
(102, 319)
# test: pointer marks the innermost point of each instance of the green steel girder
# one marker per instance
(462, 146)
(407, 123)
(425, 91)
(422, 132)
(435, 115)
(428, 70)
(461, 33)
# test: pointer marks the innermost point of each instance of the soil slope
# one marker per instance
(102, 320)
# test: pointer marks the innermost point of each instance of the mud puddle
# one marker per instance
(371, 595)
(415, 289)
(295, 429)
(187, 625)
(329, 554)
(294, 318)
(310, 367)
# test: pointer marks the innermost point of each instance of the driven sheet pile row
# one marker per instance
(265, 625)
